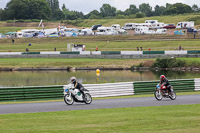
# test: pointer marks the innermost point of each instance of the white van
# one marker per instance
(19, 34)
(185, 25)
(157, 25)
(141, 30)
(129, 26)
(106, 31)
(151, 21)
(161, 31)
(116, 27)
(86, 32)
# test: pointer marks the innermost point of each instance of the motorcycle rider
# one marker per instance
(78, 86)
(164, 82)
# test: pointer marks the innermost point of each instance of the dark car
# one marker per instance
(94, 27)
(170, 26)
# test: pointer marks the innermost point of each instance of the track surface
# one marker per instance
(96, 104)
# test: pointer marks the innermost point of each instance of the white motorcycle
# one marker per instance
(72, 94)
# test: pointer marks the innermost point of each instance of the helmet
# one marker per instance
(162, 77)
(73, 79)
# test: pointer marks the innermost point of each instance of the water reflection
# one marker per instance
(42, 78)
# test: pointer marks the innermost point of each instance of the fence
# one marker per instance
(96, 90)
(149, 87)
(184, 52)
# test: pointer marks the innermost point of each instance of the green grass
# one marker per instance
(63, 62)
(83, 62)
(192, 61)
(161, 119)
(106, 43)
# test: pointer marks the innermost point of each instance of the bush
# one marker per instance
(168, 63)
(140, 15)
(35, 20)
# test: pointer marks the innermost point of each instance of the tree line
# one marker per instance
(49, 10)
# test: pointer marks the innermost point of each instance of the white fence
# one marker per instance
(110, 89)
(197, 84)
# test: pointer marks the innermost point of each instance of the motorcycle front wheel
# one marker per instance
(158, 95)
(172, 95)
(88, 98)
(69, 100)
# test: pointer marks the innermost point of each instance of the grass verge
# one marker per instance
(160, 119)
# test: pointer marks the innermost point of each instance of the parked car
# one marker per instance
(191, 30)
(95, 27)
(169, 26)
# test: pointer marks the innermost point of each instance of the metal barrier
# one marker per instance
(197, 84)
(31, 93)
(111, 89)
(96, 90)
(149, 87)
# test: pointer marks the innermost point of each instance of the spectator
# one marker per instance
(97, 48)
(54, 49)
(13, 41)
(27, 50)
(29, 44)
(180, 48)
(141, 48)
(137, 48)
(149, 49)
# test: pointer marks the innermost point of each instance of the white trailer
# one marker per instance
(185, 25)
(157, 25)
(116, 27)
(106, 31)
(144, 30)
(161, 31)
(151, 21)
(86, 32)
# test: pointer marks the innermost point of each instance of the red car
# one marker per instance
(170, 26)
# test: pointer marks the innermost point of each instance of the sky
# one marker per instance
(86, 6)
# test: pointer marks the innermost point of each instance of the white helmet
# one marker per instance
(73, 79)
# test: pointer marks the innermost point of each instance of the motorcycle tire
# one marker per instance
(172, 96)
(157, 95)
(88, 98)
(67, 101)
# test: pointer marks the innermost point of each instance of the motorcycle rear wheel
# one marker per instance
(158, 95)
(172, 95)
(69, 100)
(88, 98)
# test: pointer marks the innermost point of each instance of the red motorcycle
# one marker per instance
(162, 91)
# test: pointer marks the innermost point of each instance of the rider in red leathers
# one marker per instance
(164, 82)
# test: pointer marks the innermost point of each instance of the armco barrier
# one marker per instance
(197, 84)
(96, 90)
(193, 52)
(110, 89)
(149, 87)
(31, 93)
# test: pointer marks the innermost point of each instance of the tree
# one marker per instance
(140, 15)
(93, 15)
(131, 10)
(56, 12)
(27, 9)
(159, 10)
(146, 9)
(107, 11)
(71, 15)
(195, 8)
(178, 8)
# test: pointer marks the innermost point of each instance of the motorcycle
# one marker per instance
(72, 95)
(162, 91)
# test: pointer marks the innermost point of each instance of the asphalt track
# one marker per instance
(96, 104)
